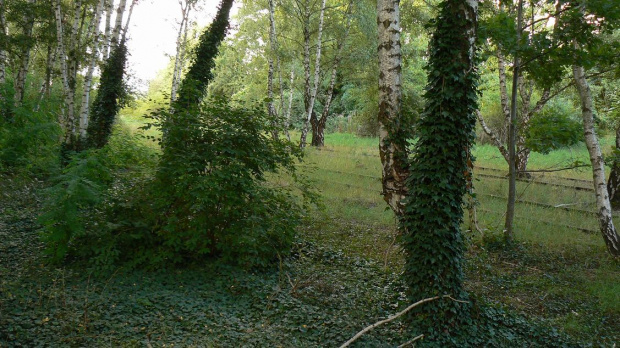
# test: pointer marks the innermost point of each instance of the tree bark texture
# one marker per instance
(22, 72)
(67, 118)
(179, 59)
(613, 183)
(109, 8)
(317, 77)
(3, 51)
(393, 155)
(604, 213)
(93, 34)
(318, 125)
(273, 115)
(118, 24)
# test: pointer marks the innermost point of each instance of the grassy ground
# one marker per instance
(342, 276)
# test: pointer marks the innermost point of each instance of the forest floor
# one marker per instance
(343, 273)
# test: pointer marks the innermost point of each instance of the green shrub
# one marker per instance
(29, 140)
(211, 196)
(554, 128)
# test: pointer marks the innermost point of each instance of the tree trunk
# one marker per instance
(67, 118)
(22, 73)
(319, 125)
(93, 33)
(47, 82)
(3, 54)
(126, 27)
(613, 184)
(109, 8)
(179, 58)
(393, 152)
(512, 139)
(118, 25)
(317, 71)
(287, 118)
(318, 132)
(273, 115)
(604, 212)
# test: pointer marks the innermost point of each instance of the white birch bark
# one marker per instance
(274, 52)
(318, 129)
(118, 25)
(3, 54)
(604, 212)
(109, 8)
(317, 71)
(394, 171)
(287, 117)
(67, 117)
(94, 35)
(22, 73)
(181, 42)
(133, 3)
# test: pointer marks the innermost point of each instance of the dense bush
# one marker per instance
(28, 140)
(557, 126)
(212, 196)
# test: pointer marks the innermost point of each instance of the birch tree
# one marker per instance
(179, 60)
(318, 124)
(24, 59)
(3, 50)
(109, 9)
(310, 92)
(93, 33)
(392, 138)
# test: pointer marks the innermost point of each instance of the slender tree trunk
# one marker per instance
(317, 70)
(109, 8)
(512, 139)
(613, 184)
(118, 25)
(67, 116)
(287, 118)
(178, 60)
(22, 73)
(94, 35)
(503, 94)
(52, 56)
(3, 54)
(126, 27)
(604, 213)
(273, 115)
(318, 126)
(393, 152)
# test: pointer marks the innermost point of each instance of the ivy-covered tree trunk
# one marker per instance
(200, 73)
(437, 184)
(107, 103)
(613, 183)
(604, 213)
(392, 128)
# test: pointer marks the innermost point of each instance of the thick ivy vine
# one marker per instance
(109, 99)
(432, 236)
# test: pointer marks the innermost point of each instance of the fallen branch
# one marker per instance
(395, 316)
(410, 342)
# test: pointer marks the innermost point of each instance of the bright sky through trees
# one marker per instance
(152, 34)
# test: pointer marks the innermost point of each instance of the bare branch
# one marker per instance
(395, 316)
